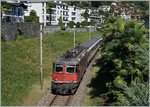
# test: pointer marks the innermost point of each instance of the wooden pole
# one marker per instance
(41, 62)
(74, 37)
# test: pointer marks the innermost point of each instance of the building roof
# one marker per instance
(18, 5)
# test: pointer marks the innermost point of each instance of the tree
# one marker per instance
(86, 14)
(78, 24)
(32, 18)
(5, 7)
(84, 23)
(71, 24)
(60, 23)
(82, 4)
(124, 55)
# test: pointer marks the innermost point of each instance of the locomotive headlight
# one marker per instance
(71, 81)
(55, 79)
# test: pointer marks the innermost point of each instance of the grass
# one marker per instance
(21, 65)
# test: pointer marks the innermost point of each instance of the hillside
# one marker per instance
(21, 60)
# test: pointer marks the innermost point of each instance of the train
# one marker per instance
(69, 69)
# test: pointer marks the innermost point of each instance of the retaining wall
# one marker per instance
(11, 30)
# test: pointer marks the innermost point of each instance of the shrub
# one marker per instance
(71, 24)
(78, 24)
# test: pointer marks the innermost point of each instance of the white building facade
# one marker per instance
(51, 16)
(40, 9)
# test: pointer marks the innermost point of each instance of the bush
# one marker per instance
(84, 23)
(32, 18)
(63, 28)
(71, 24)
(78, 24)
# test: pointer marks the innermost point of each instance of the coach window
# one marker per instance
(70, 69)
(58, 68)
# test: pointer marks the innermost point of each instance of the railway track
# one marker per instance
(59, 100)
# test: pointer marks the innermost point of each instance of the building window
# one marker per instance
(42, 11)
(64, 13)
(73, 18)
(19, 12)
(53, 18)
(73, 13)
(43, 18)
(65, 19)
(67, 13)
(42, 4)
(47, 17)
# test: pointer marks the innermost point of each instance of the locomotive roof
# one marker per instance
(74, 55)
(90, 42)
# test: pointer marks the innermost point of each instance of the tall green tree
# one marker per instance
(32, 18)
(60, 21)
(86, 14)
(125, 56)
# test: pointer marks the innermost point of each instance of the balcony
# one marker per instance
(48, 11)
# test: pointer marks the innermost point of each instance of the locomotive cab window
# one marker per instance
(70, 68)
(58, 68)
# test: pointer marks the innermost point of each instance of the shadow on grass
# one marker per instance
(98, 83)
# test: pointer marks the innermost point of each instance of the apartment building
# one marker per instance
(15, 14)
(68, 13)
(40, 9)
(51, 16)
(59, 10)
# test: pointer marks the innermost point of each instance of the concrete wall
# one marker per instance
(11, 30)
(51, 29)
(81, 29)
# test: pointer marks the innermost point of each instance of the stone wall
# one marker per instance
(51, 29)
(85, 29)
(11, 30)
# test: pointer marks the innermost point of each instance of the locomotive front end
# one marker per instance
(64, 78)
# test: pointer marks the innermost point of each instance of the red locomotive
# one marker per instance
(69, 69)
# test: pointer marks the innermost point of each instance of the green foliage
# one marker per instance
(71, 24)
(32, 18)
(136, 94)
(5, 7)
(50, 5)
(81, 4)
(60, 23)
(78, 24)
(86, 14)
(85, 23)
(101, 12)
(125, 56)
